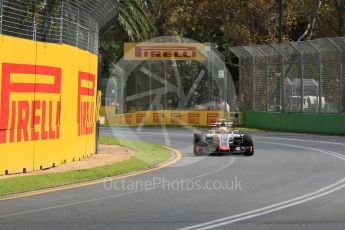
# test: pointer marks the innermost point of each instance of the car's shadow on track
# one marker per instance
(223, 155)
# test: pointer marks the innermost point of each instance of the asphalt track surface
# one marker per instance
(294, 181)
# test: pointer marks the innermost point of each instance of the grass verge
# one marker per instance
(147, 155)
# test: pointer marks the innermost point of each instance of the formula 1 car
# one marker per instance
(222, 139)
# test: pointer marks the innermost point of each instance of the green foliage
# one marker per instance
(134, 20)
(133, 24)
(224, 23)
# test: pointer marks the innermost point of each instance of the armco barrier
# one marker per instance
(167, 117)
(301, 122)
(48, 104)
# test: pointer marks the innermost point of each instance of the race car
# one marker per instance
(222, 139)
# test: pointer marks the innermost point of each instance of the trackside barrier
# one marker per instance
(301, 122)
(167, 117)
(48, 104)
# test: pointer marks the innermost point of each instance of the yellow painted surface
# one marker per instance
(168, 117)
(46, 106)
(164, 51)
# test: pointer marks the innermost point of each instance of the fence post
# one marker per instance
(240, 90)
(77, 39)
(253, 77)
(34, 32)
(340, 74)
(254, 82)
(150, 85)
(1, 12)
(61, 22)
(282, 88)
(165, 85)
(266, 73)
(301, 74)
(341, 83)
(320, 74)
(88, 33)
(281, 69)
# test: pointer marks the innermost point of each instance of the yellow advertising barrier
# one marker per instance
(164, 51)
(168, 117)
(48, 104)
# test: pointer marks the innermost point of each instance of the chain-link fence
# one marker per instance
(173, 84)
(72, 22)
(303, 76)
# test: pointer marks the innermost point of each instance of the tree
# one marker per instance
(332, 18)
(317, 19)
(132, 24)
(225, 23)
(134, 20)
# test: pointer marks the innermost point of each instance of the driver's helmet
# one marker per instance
(222, 130)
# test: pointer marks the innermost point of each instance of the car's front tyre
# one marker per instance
(248, 145)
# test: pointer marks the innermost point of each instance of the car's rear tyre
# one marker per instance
(248, 145)
(196, 150)
(196, 144)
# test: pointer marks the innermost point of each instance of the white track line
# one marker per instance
(302, 140)
(338, 155)
(272, 210)
(278, 206)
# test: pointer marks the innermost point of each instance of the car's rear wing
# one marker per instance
(216, 124)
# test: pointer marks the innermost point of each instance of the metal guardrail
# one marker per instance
(303, 76)
(72, 22)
